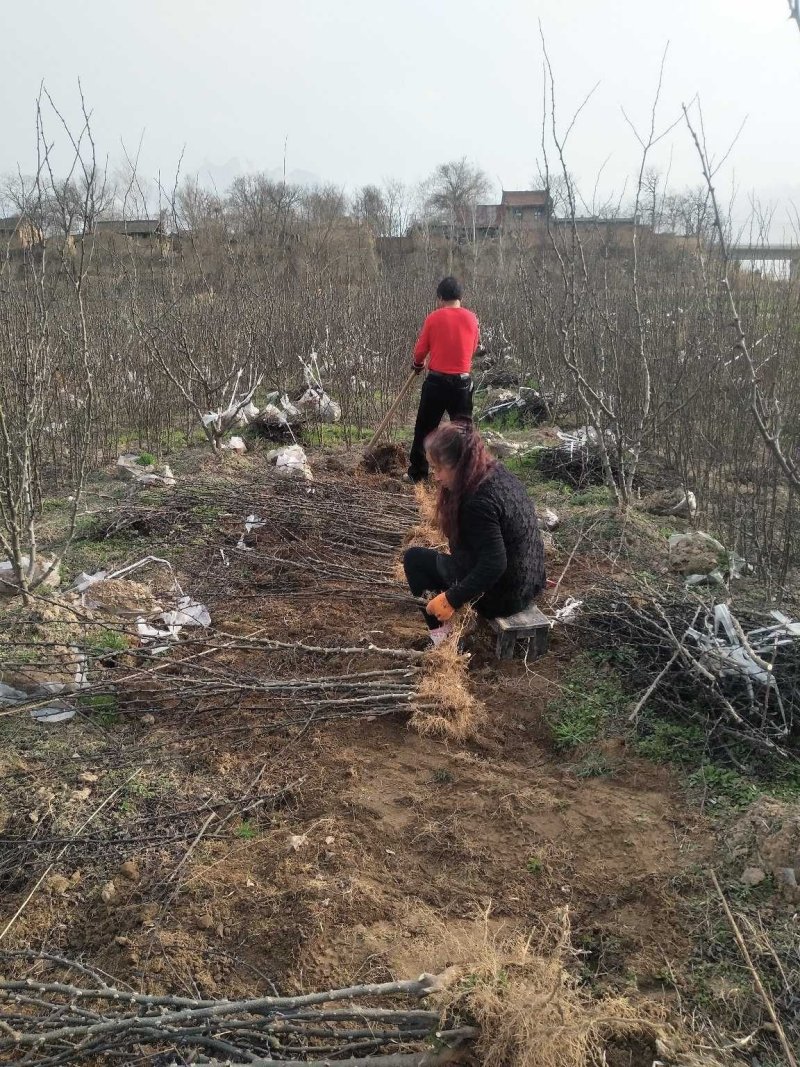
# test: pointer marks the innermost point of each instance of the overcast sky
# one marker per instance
(361, 90)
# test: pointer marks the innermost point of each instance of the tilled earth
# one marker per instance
(236, 855)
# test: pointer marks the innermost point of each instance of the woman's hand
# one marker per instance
(441, 608)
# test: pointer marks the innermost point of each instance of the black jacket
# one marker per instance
(498, 554)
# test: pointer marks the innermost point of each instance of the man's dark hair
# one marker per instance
(449, 288)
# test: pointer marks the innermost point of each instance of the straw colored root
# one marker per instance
(530, 1010)
(425, 495)
(455, 713)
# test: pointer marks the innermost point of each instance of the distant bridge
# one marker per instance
(774, 253)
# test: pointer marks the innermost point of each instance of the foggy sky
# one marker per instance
(360, 90)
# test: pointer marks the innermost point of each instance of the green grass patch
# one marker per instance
(338, 433)
(597, 495)
(533, 865)
(592, 695)
(672, 742)
(524, 466)
(723, 789)
(595, 765)
(514, 419)
(246, 831)
(104, 642)
(103, 707)
(145, 459)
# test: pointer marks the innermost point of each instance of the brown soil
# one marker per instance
(379, 839)
(386, 459)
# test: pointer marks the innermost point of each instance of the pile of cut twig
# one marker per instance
(578, 464)
(59, 1011)
(693, 660)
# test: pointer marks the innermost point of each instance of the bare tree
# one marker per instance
(45, 338)
(397, 206)
(456, 188)
(369, 206)
(261, 207)
(765, 406)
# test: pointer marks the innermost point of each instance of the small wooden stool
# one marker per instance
(528, 624)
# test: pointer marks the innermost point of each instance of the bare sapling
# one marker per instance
(45, 338)
(608, 354)
(745, 373)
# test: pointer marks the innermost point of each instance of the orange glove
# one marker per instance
(441, 608)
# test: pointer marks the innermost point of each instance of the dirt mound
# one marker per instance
(386, 459)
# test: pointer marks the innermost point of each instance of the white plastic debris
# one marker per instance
(154, 479)
(10, 695)
(738, 567)
(687, 505)
(550, 520)
(237, 414)
(274, 418)
(188, 612)
(292, 413)
(53, 713)
(8, 581)
(84, 580)
(235, 444)
(731, 654)
(580, 438)
(253, 523)
(712, 578)
(291, 461)
(145, 631)
(317, 402)
(130, 469)
(441, 633)
(569, 610)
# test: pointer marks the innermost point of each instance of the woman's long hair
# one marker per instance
(459, 446)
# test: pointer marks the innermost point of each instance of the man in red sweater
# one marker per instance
(448, 341)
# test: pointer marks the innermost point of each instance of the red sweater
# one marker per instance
(451, 336)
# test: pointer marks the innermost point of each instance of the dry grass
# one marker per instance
(426, 533)
(530, 1009)
(456, 714)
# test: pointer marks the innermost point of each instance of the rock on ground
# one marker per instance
(695, 553)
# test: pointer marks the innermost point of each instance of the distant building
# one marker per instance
(524, 209)
(18, 232)
(141, 228)
(519, 210)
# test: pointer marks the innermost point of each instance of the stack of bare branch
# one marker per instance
(738, 678)
(59, 1011)
(577, 461)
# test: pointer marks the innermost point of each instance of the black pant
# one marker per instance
(428, 571)
(440, 393)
